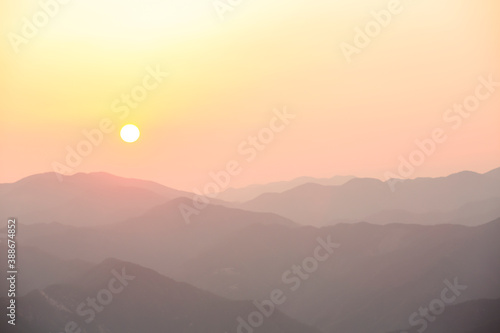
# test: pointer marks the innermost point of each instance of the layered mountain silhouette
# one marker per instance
(129, 298)
(465, 198)
(81, 199)
(377, 277)
(40, 269)
(470, 214)
(251, 192)
(161, 238)
(379, 273)
(362, 199)
(430, 232)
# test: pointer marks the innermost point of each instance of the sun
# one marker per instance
(130, 133)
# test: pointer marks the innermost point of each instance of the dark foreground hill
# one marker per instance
(478, 316)
(120, 297)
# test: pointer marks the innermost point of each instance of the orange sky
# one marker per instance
(226, 77)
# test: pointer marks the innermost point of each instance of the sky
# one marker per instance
(224, 72)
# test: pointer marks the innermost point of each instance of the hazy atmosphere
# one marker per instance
(231, 166)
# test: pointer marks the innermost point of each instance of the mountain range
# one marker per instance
(394, 253)
(128, 298)
(367, 199)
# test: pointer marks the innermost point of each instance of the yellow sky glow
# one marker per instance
(226, 77)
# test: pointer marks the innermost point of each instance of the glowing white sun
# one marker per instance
(130, 133)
